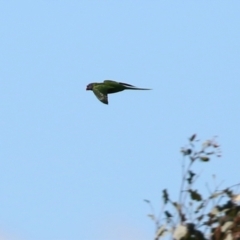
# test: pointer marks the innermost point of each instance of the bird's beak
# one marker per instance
(89, 87)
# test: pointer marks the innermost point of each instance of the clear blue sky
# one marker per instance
(74, 168)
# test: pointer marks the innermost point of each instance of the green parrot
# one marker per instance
(101, 90)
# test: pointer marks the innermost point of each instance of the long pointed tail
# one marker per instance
(135, 88)
(131, 87)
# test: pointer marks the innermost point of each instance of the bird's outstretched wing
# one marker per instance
(118, 83)
(122, 86)
(126, 84)
(109, 81)
(101, 94)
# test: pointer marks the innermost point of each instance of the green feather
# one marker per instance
(101, 90)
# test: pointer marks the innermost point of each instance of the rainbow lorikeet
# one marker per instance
(101, 90)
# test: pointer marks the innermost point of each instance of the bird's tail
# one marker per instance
(135, 88)
(131, 87)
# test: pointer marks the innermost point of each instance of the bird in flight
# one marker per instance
(101, 90)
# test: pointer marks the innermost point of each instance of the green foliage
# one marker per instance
(191, 217)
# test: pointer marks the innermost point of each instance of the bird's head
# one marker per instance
(89, 86)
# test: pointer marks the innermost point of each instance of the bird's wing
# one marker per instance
(126, 84)
(101, 94)
(109, 81)
(123, 86)
(113, 86)
(118, 83)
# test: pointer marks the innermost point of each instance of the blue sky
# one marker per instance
(74, 168)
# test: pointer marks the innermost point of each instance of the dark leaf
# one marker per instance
(183, 217)
(210, 221)
(190, 177)
(165, 196)
(200, 218)
(227, 207)
(199, 207)
(215, 145)
(192, 137)
(210, 153)
(168, 214)
(204, 158)
(228, 192)
(199, 235)
(195, 195)
(186, 152)
(191, 228)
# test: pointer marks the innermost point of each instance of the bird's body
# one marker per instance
(101, 90)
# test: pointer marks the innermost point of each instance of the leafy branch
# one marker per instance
(191, 217)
